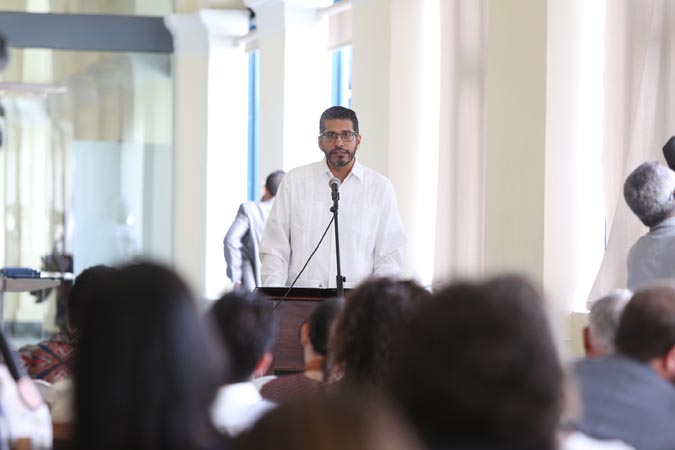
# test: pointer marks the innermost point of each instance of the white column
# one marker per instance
(396, 89)
(210, 140)
(516, 125)
(575, 220)
(295, 80)
(371, 79)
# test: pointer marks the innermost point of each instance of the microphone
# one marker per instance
(334, 184)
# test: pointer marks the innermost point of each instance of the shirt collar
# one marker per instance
(669, 222)
(357, 169)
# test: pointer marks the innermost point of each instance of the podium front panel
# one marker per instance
(293, 310)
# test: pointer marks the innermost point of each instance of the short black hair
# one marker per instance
(247, 324)
(669, 152)
(273, 180)
(320, 323)
(338, 113)
(647, 325)
(87, 285)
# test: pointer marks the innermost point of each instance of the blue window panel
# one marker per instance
(342, 77)
(337, 77)
(253, 188)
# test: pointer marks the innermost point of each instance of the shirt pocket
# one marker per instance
(361, 223)
(313, 216)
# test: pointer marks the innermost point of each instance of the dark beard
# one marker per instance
(342, 162)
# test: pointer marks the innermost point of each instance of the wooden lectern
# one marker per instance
(292, 310)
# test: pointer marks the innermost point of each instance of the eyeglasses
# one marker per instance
(331, 136)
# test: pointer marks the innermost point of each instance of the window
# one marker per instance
(253, 188)
(342, 76)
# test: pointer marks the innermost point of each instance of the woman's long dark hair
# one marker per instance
(147, 367)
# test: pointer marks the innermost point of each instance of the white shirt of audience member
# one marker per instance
(238, 407)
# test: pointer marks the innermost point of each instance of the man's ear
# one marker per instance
(264, 363)
(304, 334)
(669, 363)
(588, 347)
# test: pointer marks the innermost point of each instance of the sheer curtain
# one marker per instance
(639, 115)
(460, 206)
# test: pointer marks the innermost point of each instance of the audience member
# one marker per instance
(362, 341)
(375, 242)
(630, 395)
(603, 321)
(52, 359)
(314, 334)
(669, 152)
(648, 191)
(478, 368)
(332, 422)
(247, 325)
(147, 366)
(4, 56)
(242, 240)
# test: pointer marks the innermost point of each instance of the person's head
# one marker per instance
(603, 321)
(247, 325)
(361, 341)
(669, 152)
(4, 53)
(272, 183)
(147, 367)
(478, 367)
(339, 137)
(329, 422)
(86, 287)
(648, 191)
(316, 329)
(647, 329)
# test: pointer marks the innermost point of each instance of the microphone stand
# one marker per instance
(339, 279)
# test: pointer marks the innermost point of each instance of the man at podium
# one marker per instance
(372, 240)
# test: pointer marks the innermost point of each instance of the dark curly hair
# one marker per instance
(360, 343)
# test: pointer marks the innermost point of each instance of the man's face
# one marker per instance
(339, 152)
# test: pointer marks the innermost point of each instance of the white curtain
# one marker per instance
(460, 207)
(639, 115)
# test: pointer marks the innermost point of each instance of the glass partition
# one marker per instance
(86, 170)
(115, 7)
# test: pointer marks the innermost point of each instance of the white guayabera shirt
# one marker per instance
(372, 240)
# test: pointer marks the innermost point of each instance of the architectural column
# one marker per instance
(210, 140)
(544, 204)
(295, 80)
(515, 136)
(395, 91)
(575, 213)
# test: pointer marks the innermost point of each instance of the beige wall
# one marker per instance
(516, 124)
